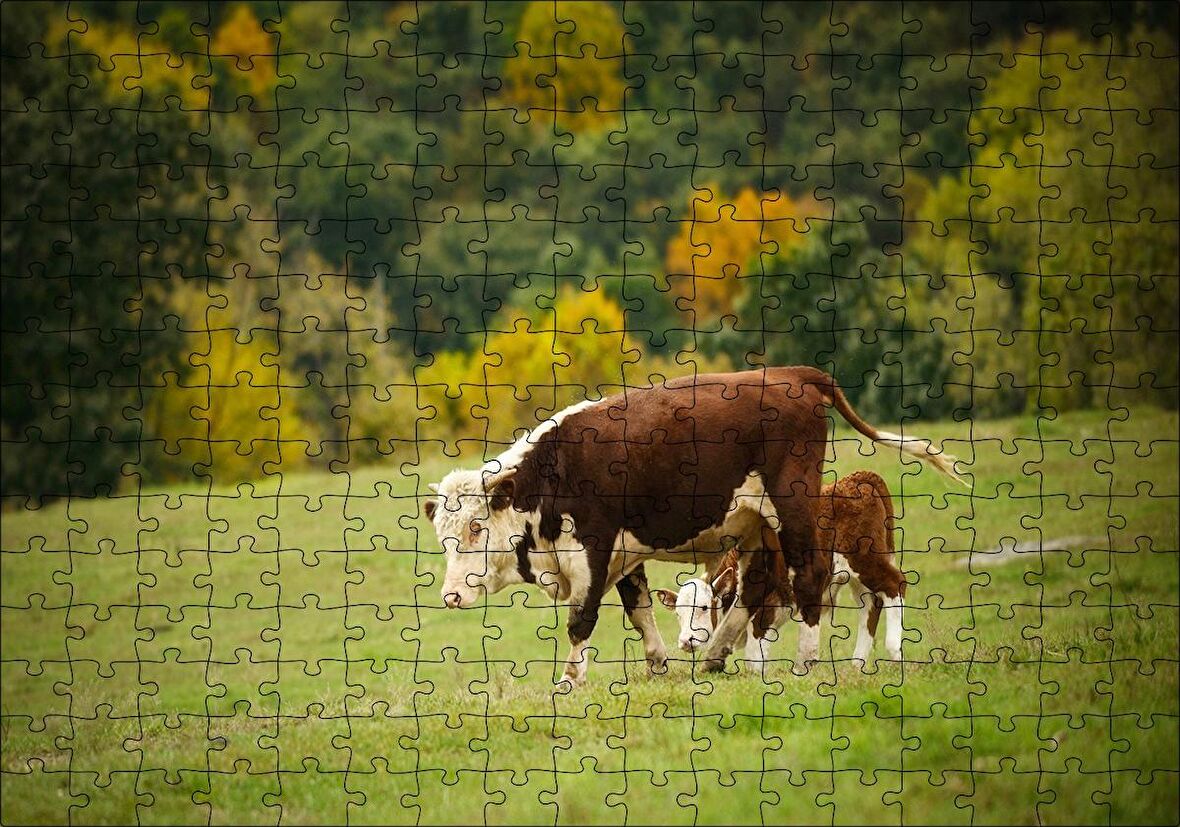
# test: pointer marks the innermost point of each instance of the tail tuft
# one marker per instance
(924, 450)
(920, 449)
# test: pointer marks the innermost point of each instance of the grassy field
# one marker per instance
(270, 655)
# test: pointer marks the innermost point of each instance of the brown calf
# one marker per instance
(855, 519)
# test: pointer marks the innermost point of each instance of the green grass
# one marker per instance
(248, 657)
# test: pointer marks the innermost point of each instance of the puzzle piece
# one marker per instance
(347, 348)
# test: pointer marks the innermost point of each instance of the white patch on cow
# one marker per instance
(751, 497)
(520, 448)
(893, 628)
(571, 559)
(695, 604)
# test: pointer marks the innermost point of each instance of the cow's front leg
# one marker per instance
(866, 632)
(893, 625)
(809, 630)
(756, 653)
(771, 635)
(633, 591)
(752, 593)
(576, 665)
(725, 637)
(583, 617)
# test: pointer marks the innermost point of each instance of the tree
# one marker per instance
(723, 242)
(571, 64)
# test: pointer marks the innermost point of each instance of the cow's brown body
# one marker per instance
(663, 464)
(672, 472)
(855, 519)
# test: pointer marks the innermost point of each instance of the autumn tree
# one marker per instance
(716, 247)
(532, 366)
(1051, 259)
(242, 38)
(570, 63)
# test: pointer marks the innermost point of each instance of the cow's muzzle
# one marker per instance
(454, 600)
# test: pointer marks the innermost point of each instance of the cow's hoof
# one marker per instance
(713, 665)
(895, 656)
(801, 669)
(564, 687)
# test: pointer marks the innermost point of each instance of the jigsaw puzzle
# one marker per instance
(534, 412)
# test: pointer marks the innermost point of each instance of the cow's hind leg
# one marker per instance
(633, 591)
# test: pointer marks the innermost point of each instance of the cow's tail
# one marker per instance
(921, 449)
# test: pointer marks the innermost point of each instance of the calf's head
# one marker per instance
(698, 607)
(478, 531)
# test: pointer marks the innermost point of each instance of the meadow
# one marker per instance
(278, 652)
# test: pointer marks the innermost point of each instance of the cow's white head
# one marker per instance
(698, 607)
(478, 531)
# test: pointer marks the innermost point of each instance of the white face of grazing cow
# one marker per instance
(698, 607)
(478, 532)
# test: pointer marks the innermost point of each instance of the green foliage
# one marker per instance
(988, 231)
(1055, 288)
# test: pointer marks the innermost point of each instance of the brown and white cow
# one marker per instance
(855, 520)
(673, 472)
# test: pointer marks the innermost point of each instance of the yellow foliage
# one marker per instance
(229, 407)
(573, 351)
(242, 37)
(715, 248)
(124, 69)
(572, 49)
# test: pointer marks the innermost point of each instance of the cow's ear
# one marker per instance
(502, 494)
(725, 583)
(429, 507)
(667, 597)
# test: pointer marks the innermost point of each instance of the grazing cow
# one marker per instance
(661, 473)
(855, 519)
(702, 601)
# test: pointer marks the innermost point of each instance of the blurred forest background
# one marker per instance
(254, 237)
